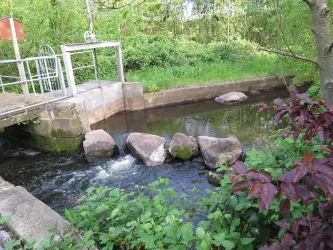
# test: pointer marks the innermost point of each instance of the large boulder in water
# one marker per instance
(148, 148)
(218, 151)
(98, 145)
(183, 147)
(231, 97)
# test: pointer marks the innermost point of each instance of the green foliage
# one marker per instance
(156, 217)
(282, 153)
(314, 92)
(35, 121)
(141, 52)
(155, 79)
(159, 34)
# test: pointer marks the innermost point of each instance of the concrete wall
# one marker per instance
(209, 91)
(133, 96)
(30, 218)
(104, 102)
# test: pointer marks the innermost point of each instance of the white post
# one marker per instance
(90, 16)
(61, 76)
(120, 68)
(69, 71)
(20, 66)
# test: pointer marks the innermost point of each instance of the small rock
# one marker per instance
(218, 151)
(202, 171)
(198, 160)
(98, 145)
(214, 178)
(183, 147)
(255, 92)
(231, 97)
(4, 237)
(148, 148)
(196, 181)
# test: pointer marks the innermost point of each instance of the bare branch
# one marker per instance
(285, 53)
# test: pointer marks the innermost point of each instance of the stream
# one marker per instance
(59, 179)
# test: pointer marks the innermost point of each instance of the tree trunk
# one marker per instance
(321, 29)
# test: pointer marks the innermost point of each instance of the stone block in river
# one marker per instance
(150, 149)
(231, 97)
(219, 151)
(183, 147)
(98, 144)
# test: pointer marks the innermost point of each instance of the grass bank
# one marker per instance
(156, 79)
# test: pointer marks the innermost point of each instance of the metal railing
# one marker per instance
(44, 75)
(45, 71)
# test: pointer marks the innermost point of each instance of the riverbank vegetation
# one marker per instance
(279, 197)
(167, 44)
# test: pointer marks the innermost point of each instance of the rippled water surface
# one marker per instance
(58, 179)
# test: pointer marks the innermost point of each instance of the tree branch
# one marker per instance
(284, 53)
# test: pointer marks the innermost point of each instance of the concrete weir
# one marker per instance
(61, 125)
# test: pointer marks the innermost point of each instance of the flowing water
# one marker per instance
(59, 179)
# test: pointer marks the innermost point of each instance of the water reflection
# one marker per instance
(203, 118)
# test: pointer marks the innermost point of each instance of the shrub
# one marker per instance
(309, 183)
(141, 52)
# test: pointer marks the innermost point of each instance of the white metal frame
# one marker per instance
(66, 53)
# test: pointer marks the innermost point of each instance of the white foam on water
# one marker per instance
(101, 173)
(121, 164)
(114, 168)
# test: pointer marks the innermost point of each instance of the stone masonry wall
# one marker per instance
(61, 127)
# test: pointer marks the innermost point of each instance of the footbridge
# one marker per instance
(48, 108)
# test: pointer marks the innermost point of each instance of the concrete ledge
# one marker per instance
(209, 91)
(31, 219)
(19, 117)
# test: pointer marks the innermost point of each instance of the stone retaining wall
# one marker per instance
(209, 91)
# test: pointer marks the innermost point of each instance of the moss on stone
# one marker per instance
(184, 153)
(58, 144)
(57, 133)
(43, 143)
